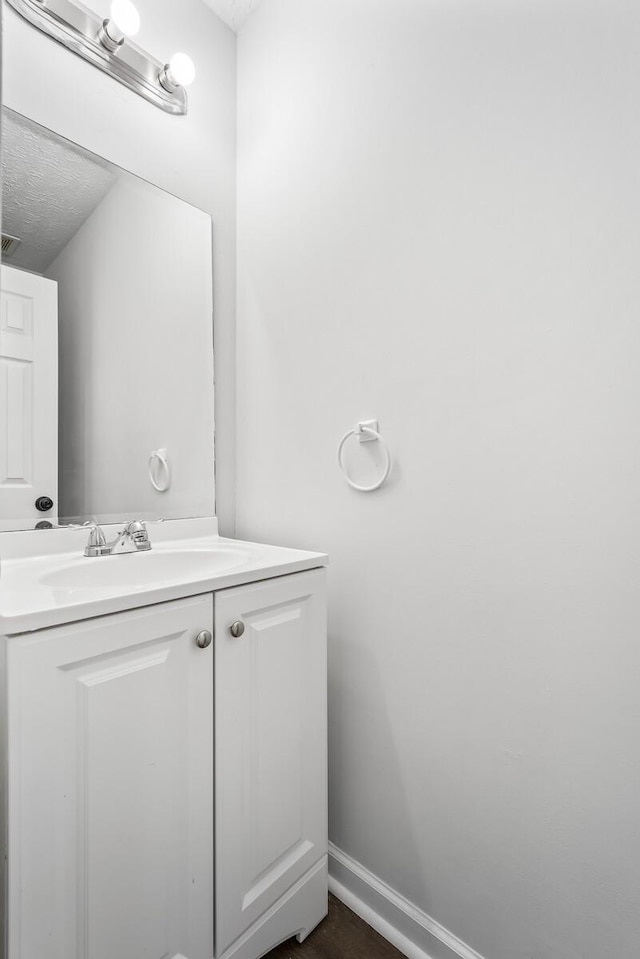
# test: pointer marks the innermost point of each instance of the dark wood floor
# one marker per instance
(342, 935)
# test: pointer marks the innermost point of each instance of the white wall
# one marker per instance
(438, 226)
(136, 357)
(192, 157)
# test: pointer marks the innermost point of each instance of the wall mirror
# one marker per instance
(106, 341)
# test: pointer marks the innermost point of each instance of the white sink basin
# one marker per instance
(46, 581)
(145, 569)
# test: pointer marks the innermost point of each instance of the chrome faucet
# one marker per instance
(134, 538)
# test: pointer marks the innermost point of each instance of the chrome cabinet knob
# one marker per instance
(203, 639)
(237, 629)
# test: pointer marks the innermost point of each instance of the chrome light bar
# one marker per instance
(82, 31)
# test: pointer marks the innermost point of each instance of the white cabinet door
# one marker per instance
(111, 787)
(271, 748)
(28, 397)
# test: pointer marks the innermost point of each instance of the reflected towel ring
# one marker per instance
(371, 434)
(160, 456)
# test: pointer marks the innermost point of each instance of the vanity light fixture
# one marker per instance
(106, 44)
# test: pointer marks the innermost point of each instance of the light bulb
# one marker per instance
(183, 69)
(125, 18)
(179, 72)
(123, 22)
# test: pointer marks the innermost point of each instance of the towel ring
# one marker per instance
(161, 457)
(374, 435)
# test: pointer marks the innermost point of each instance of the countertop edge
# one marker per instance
(21, 623)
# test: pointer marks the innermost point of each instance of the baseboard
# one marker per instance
(413, 932)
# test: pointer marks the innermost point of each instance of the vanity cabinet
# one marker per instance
(271, 749)
(111, 807)
(110, 741)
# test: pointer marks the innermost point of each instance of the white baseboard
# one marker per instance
(413, 932)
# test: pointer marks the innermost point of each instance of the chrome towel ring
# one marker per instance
(366, 433)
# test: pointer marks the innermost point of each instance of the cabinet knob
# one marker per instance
(203, 639)
(237, 629)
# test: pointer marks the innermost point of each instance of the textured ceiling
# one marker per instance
(233, 12)
(49, 188)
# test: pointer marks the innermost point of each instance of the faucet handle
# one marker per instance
(96, 536)
(97, 543)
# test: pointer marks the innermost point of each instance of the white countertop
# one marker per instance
(32, 562)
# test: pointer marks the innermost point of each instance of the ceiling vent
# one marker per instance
(9, 245)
